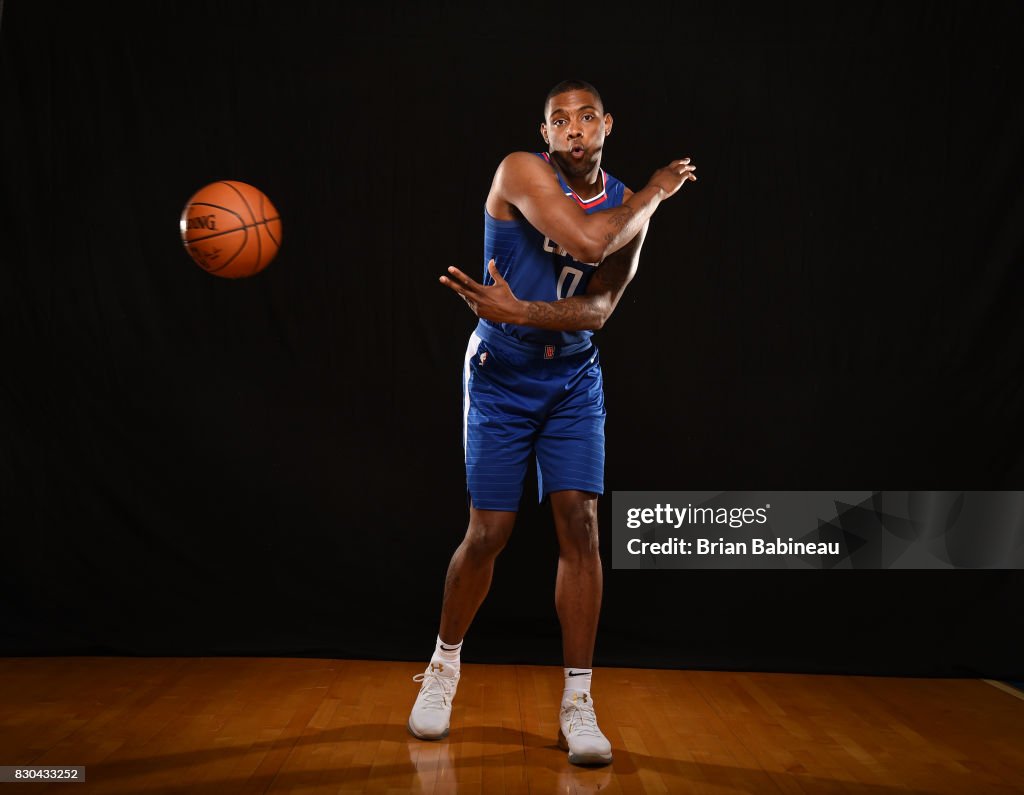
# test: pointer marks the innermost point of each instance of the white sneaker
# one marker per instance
(432, 711)
(579, 734)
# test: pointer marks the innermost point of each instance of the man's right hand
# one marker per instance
(671, 178)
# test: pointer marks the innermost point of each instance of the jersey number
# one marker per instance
(573, 284)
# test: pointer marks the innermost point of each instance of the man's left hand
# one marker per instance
(495, 302)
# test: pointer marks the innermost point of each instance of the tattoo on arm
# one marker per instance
(568, 314)
(618, 218)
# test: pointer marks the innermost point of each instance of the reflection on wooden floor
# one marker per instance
(256, 725)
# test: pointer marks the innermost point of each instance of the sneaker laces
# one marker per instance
(436, 690)
(581, 717)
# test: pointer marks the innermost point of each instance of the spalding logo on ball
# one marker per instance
(231, 229)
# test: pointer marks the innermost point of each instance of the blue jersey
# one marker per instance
(537, 268)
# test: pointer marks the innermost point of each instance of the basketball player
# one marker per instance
(562, 240)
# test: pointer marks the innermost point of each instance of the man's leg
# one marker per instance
(578, 601)
(570, 471)
(467, 583)
(470, 570)
(579, 582)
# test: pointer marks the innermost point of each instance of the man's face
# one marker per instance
(575, 130)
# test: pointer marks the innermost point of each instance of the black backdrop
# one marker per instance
(194, 465)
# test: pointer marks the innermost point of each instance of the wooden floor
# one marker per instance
(256, 725)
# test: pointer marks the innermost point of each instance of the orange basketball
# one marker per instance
(231, 229)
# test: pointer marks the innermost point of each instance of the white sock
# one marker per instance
(447, 653)
(578, 679)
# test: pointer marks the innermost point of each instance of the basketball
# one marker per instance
(231, 229)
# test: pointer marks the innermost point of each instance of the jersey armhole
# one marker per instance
(499, 221)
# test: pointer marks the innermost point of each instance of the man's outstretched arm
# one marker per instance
(588, 312)
(528, 184)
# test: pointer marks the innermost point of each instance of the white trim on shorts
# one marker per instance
(471, 348)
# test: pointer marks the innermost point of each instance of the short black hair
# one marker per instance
(571, 85)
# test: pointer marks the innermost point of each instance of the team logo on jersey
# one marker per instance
(552, 247)
(483, 358)
(549, 351)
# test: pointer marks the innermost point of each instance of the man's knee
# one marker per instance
(577, 525)
(487, 534)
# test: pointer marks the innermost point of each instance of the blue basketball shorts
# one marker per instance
(516, 403)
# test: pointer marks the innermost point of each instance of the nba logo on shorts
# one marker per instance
(549, 351)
